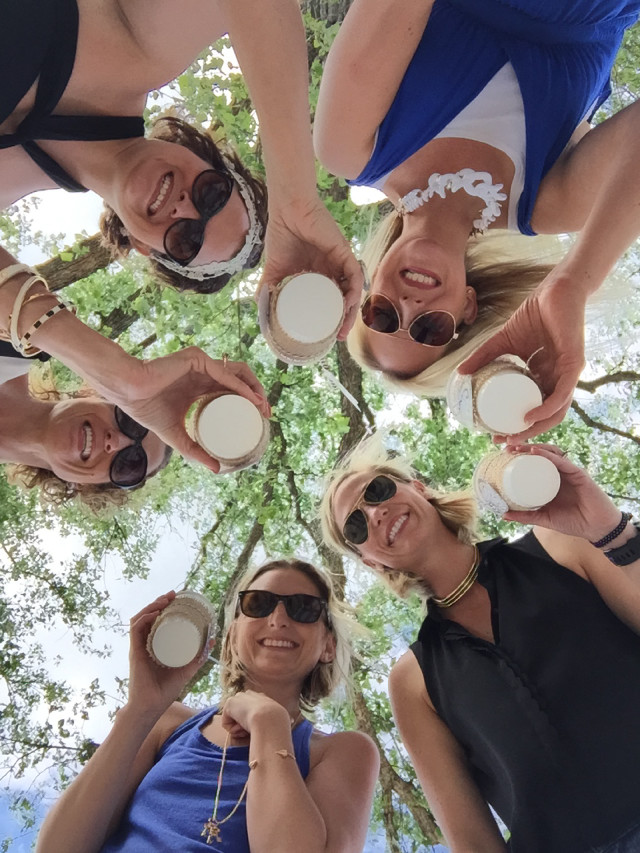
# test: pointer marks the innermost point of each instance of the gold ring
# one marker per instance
(225, 359)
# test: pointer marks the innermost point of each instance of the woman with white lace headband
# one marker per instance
(76, 76)
(477, 119)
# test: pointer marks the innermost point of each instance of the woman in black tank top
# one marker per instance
(521, 691)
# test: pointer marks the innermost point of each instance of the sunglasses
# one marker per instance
(129, 466)
(431, 329)
(210, 192)
(379, 490)
(258, 603)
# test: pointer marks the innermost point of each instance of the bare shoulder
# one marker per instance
(569, 551)
(175, 715)
(406, 679)
(344, 748)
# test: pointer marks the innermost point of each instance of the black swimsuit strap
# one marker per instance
(40, 124)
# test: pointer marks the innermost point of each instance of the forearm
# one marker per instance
(613, 222)
(98, 360)
(281, 814)
(269, 41)
(80, 820)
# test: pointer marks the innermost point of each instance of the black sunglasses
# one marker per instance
(210, 192)
(129, 466)
(379, 490)
(431, 329)
(300, 607)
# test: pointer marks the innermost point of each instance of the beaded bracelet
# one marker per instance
(626, 517)
(21, 344)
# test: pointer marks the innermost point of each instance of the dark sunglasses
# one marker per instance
(129, 466)
(431, 329)
(379, 490)
(300, 607)
(210, 192)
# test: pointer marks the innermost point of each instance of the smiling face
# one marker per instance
(82, 438)
(400, 529)
(153, 189)
(418, 275)
(276, 647)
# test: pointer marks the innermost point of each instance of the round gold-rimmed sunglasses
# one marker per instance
(431, 329)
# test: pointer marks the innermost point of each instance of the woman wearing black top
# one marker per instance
(522, 689)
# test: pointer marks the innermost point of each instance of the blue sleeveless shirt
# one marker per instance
(562, 52)
(175, 798)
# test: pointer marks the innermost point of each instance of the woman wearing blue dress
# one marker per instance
(423, 99)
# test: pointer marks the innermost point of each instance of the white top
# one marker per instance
(495, 117)
(230, 427)
(11, 368)
(309, 307)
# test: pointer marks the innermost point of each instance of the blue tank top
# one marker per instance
(548, 715)
(562, 52)
(170, 806)
(38, 42)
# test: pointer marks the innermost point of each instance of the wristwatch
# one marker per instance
(627, 553)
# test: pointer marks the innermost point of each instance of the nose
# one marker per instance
(183, 207)
(279, 615)
(376, 513)
(114, 440)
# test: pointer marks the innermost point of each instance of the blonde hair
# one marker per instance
(458, 510)
(53, 489)
(503, 268)
(324, 678)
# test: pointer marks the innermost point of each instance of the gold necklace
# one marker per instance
(465, 584)
(212, 826)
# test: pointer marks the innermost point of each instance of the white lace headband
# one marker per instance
(237, 262)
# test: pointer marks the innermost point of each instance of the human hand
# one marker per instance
(580, 508)
(159, 393)
(241, 711)
(152, 688)
(550, 320)
(305, 237)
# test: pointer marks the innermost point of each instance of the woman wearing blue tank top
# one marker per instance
(249, 776)
(424, 98)
(522, 689)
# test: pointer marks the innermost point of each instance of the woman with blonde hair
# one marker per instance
(71, 444)
(478, 119)
(521, 690)
(251, 775)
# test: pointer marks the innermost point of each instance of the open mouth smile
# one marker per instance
(161, 193)
(87, 437)
(423, 279)
(277, 644)
(396, 527)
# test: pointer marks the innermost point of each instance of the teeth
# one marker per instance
(279, 644)
(420, 278)
(164, 187)
(88, 442)
(396, 527)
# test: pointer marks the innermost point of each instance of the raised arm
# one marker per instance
(594, 189)
(580, 514)
(157, 393)
(91, 807)
(326, 813)
(361, 76)
(438, 759)
(269, 41)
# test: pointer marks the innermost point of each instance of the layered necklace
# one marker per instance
(212, 826)
(478, 184)
(465, 584)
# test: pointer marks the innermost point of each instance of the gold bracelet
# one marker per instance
(284, 753)
(14, 269)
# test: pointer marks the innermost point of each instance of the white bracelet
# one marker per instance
(17, 342)
(14, 269)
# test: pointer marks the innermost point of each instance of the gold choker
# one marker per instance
(465, 584)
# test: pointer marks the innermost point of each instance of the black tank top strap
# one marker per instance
(54, 73)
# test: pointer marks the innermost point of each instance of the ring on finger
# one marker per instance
(225, 360)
